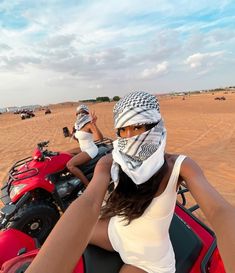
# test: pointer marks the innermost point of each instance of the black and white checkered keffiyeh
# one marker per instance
(141, 156)
(82, 118)
(82, 107)
(136, 107)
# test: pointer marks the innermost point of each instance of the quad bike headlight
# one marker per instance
(16, 189)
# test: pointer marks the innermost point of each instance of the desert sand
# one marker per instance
(198, 126)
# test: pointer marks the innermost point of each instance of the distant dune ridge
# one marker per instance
(197, 125)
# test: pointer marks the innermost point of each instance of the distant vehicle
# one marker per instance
(48, 111)
(220, 98)
(27, 114)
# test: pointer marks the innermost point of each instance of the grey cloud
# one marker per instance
(96, 64)
(4, 47)
(59, 41)
(16, 62)
(56, 53)
(195, 42)
(221, 35)
(111, 55)
(199, 41)
(165, 45)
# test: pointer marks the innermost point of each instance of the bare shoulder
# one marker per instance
(105, 162)
(189, 167)
(187, 164)
(170, 159)
(106, 158)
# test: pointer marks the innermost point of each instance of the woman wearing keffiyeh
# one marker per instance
(86, 131)
(135, 219)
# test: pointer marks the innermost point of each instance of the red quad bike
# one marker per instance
(40, 188)
(193, 242)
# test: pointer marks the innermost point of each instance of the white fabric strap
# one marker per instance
(176, 170)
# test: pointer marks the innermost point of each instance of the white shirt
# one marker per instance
(145, 242)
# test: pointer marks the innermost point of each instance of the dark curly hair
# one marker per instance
(129, 200)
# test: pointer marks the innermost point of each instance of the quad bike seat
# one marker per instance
(186, 244)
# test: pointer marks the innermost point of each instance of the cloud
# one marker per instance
(58, 41)
(198, 60)
(4, 47)
(95, 86)
(158, 70)
(113, 45)
(17, 62)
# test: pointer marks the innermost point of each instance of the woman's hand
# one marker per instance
(93, 117)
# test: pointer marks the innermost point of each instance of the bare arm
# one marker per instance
(97, 135)
(217, 210)
(70, 236)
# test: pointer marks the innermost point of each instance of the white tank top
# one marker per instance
(85, 140)
(145, 242)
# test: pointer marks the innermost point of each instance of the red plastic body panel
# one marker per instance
(17, 262)
(206, 238)
(216, 263)
(80, 268)
(48, 166)
(11, 241)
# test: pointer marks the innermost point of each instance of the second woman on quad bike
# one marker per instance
(86, 133)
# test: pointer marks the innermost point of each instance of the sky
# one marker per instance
(65, 50)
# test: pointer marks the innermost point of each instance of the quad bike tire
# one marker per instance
(36, 219)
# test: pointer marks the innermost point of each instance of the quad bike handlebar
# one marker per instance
(43, 153)
(43, 144)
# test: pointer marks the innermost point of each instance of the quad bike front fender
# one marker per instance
(10, 209)
(30, 186)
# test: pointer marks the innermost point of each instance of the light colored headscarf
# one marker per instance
(82, 107)
(82, 118)
(140, 156)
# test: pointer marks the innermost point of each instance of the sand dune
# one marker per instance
(198, 126)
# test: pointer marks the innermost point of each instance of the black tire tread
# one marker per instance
(28, 210)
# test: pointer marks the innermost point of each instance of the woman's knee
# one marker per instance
(70, 165)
